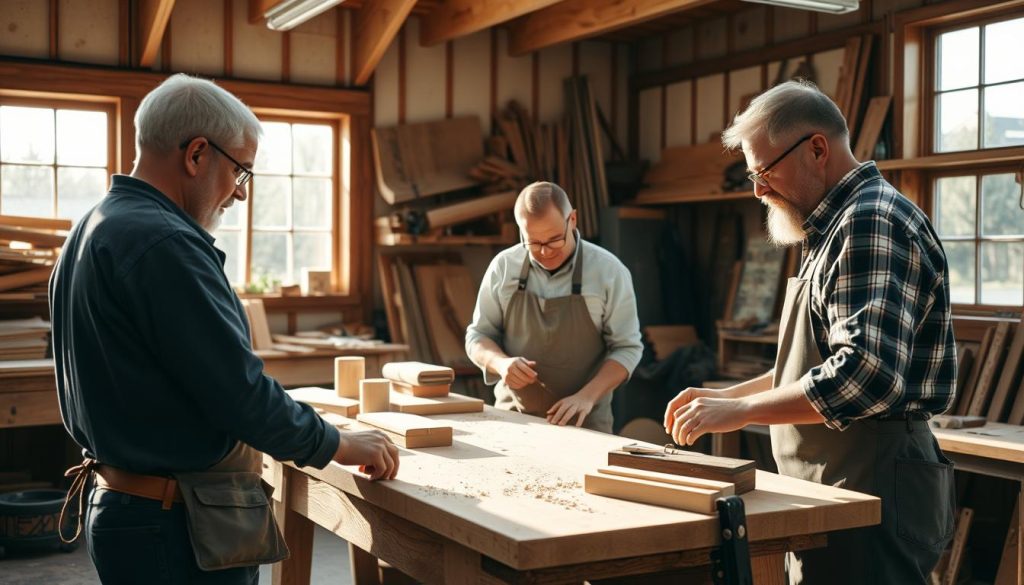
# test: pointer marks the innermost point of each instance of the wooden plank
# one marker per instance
(439, 217)
(23, 409)
(435, 391)
(963, 527)
(572, 20)
(1012, 368)
(993, 361)
(727, 489)
(259, 327)
(409, 430)
(451, 404)
(36, 237)
(972, 379)
(963, 370)
(1008, 572)
(326, 399)
(680, 497)
(154, 15)
(418, 373)
(42, 223)
(741, 472)
(376, 24)
(24, 278)
(874, 119)
(459, 18)
(859, 82)
(446, 333)
(1017, 414)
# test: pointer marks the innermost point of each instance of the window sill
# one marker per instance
(992, 156)
(277, 303)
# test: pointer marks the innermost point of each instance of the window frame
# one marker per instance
(65, 102)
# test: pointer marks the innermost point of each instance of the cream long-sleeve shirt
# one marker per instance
(607, 289)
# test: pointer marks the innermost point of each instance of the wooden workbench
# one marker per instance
(995, 450)
(505, 503)
(317, 368)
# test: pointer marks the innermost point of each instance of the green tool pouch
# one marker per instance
(230, 520)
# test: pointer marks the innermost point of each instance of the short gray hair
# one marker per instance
(790, 108)
(184, 107)
(536, 198)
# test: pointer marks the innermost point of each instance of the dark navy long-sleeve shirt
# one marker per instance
(155, 371)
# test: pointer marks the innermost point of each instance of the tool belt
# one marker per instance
(230, 519)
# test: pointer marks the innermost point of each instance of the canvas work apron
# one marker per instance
(898, 461)
(561, 337)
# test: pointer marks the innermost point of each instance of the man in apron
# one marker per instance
(555, 323)
(155, 373)
(866, 352)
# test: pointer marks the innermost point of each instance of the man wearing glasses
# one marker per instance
(555, 324)
(155, 372)
(866, 351)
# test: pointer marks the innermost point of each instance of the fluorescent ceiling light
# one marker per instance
(291, 13)
(832, 6)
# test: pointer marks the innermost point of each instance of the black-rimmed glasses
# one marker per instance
(243, 174)
(758, 177)
(555, 244)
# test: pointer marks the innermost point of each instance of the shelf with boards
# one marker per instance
(669, 198)
(396, 239)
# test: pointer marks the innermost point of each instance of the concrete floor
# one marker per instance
(330, 566)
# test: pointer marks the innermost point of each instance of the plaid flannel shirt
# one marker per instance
(879, 288)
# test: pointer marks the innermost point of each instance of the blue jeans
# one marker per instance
(132, 541)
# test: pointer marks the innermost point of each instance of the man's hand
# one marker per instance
(703, 414)
(564, 410)
(675, 407)
(516, 372)
(372, 451)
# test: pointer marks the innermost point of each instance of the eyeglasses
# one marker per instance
(555, 244)
(242, 173)
(758, 177)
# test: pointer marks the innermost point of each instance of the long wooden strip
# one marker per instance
(742, 472)
(1017, 414)
(963, 527)
(972, 379)
(409, 430)
(726, 488)
(859, 81)
(326, 399)
(679, 497)
(42, 223)
(994, 359)
(1009, 377)
(1008, 572)
(963, 370)
(25, 278)
(451, 404)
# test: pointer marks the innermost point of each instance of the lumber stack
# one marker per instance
(28, 250)
(23, 339)
(687, 171)
(991, 375)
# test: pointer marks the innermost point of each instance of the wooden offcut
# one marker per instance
(871, 127)
(669, 495)
(986, 379)
(963, 527)
(24, 278)
(963, 405)
(418, 373)
(374, 394)
(349, 371)
(1011, 374)
(409, 430)
(451, 404)
(741, 472)
(326, 399)
(434, 391)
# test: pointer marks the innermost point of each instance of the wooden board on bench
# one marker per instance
(741, 472)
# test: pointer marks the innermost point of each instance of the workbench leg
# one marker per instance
(363, 566)
(461, 565)
(298, 533)
(769, 569)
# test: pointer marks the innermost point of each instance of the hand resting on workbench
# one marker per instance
(372, 451)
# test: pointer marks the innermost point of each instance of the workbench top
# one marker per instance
(994, 441)
(511, 487)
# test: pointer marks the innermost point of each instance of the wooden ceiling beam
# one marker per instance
(153, 18)
(458, 18)
(376, 24)
(573, 20)
(257, 8)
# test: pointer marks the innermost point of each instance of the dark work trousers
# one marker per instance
(134, 542)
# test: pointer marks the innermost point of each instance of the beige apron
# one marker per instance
(898, 461)
(561, 337)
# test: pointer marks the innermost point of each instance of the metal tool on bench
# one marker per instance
(730, 563)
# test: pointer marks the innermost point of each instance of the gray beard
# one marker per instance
(785, 226)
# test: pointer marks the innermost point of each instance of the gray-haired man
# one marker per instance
(866, 351)
(155, 373)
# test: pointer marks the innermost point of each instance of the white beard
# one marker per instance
(785, 224)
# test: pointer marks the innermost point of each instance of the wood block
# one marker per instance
(952, 421)
(418, 373)
(727, 489)
(326, 399)
(435, 391)
(316, 282)
(409, 430)
(451, 404)
(741, 472)
(374, 395)
(348, 372)
(680, 497)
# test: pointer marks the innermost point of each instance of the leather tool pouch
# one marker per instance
(230, 520)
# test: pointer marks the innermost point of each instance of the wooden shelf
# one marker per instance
(410, 240)
(955, 159)
(670, 199)
(749, 338)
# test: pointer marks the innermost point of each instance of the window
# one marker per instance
(55, 160)
(979, 87)
(287, 224)
(981, 224)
